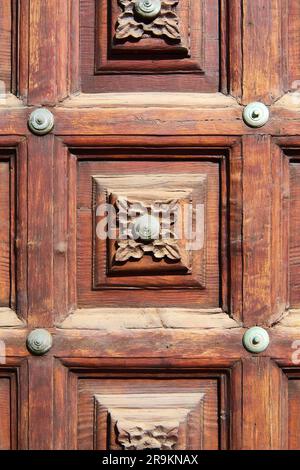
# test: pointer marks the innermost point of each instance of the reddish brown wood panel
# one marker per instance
(164, 410)
(208, 297)
(265, 25)
(187, 61)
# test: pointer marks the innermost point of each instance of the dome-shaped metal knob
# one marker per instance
(256, 340)
(147, 9)
(146, 227)
(256, 114)
(39, 342)
(41, 121)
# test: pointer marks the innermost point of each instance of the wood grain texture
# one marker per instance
(48, 33)
(257, 197)
(107, 65)
(6, 30)
(40, 227)
(5, 234)
(150, 347)
(40, 415)
(264, 23)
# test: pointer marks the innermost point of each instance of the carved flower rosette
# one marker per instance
(162, 436)
(161, 242)
(164, 25)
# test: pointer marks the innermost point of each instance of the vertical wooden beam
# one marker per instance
(263, 405)
(264, 49)
(257, 187)
(40, 231)
(48, 45)
(41, 403)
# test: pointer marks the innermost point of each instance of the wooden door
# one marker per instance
(148, 99)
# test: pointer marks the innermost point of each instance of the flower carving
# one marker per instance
(131, 436)
(137, 238)
(164, 24)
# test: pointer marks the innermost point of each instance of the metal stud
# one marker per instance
(147, 9)
(39, 342)
(256, 340)
(256, 114)
(41, 121)
(146, 227)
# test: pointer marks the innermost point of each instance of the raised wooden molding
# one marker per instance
(115, 260)
(137, 421)
(148, 318)
(156, 100)
(9, 318)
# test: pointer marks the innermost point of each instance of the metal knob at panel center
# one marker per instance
(146, 227)
(147, 9)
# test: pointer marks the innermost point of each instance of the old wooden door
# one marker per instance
(148, 98)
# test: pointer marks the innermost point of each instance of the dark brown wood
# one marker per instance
(132, 339)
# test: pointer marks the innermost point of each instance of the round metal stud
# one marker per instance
(256, 114)
(146, 227)
(41, 121)
(147, 9)
(256, 340)
(39, 342)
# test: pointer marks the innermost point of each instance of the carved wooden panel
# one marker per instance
(163, 200)
(148, 410)
(189, 266)
(125, 51)
(147, 420)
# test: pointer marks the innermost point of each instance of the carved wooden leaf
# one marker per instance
(167, 25)
(127, 26)
(168, 248)
(145, 436)
(129, 249)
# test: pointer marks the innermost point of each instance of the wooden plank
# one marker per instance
(47, 51)
(40, 403)
(264, 400)
(256, 230)
(40, 230)
(263, 49)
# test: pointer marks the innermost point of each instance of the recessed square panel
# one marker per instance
(163, 45)
(132, 410)
(173, 207)
(164, 234)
